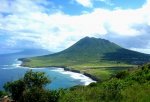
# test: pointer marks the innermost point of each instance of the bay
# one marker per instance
(10, 71)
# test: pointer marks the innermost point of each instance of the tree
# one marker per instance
(122, 74)
(16, 88)
(30, 88)
(35, 79)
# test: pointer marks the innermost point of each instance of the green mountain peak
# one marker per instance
(90, 50)
(91, 47)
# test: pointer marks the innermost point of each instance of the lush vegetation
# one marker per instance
(97, 57)
(126, 86)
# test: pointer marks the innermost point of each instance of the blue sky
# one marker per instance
(57, 24)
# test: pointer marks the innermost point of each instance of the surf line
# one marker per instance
(75, 75)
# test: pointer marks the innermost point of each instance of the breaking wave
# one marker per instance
(84, 79)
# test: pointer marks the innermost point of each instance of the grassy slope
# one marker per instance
(92, 56)
(101, 70)
(126, 86)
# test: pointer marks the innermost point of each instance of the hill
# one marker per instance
(89, 55)
(125, 86)
(88, 50)
(27, 52)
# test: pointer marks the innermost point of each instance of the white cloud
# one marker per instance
(89, 3)
(108, 2)
(147, 51)
(57, 31)
(85, 3)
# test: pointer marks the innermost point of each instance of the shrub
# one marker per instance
(16, 88)
(122, 74)
(112, 90)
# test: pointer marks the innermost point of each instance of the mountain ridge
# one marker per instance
(100, 49)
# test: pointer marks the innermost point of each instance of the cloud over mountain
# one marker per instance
(44, 24)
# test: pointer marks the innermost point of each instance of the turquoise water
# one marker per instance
(10, 71)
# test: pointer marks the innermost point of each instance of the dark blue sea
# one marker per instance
(11, 70)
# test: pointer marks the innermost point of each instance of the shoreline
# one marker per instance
(63, 67)
(76, 71)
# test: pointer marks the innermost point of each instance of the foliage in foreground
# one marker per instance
(126, 86)
(31, 88)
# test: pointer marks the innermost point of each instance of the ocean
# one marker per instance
(11, 70)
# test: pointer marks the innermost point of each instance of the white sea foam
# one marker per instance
(13, 66)
(8, 68)
(57, 69)
(17, 64)
(84, 79)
